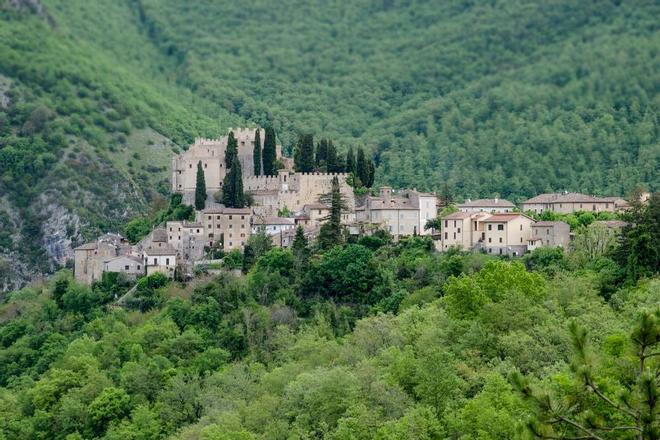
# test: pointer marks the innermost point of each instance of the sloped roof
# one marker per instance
(505, 217)
(274, 221)
(87, 246)
(159, 235)
(486, 203)
(165, 250)
(457, 216)
(549, 224)
(128, 257)
(566, 198)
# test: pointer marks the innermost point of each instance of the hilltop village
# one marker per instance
(284, 200)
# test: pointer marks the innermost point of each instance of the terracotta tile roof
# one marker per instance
(486, 203)
(566, 198)
(548, 224)
(165, 250)
(274, 221)
(457, 216)
(159, 235)
(220, 210)
(87, 247)
(612, 224)
(505, 217)
(316, 206)
(128, 257)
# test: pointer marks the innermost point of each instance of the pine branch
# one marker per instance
(595, 389)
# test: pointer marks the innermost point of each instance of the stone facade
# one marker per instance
(211, 153)
(229, 226)
(89, 258)
(486, 205)
(550, 234)
(463, 230)
(404, 213)
(130, 265)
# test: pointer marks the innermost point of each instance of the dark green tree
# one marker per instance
(333, 162)
(321, 154)
(232, 150)
(300, 250)
(350, 161)
(257, 245)
(362, 168)
(257, 153)
(330, 233)
(269, 154)
(200, 188)
(304, 154)
(232, 188)
(371, 175)
(446, 198)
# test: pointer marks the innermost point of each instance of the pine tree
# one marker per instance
(350, 161)
(231, 150)
(330, 233)
(269, 152)
(232, 188)
(446, 197)
(200, 188)
(256, 155)
(303, 157)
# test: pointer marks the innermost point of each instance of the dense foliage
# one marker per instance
(368, 339)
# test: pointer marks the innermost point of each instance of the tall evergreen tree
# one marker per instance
(232, 189)
(304, 155)
(322, 154)
(269, 154)
(200, 188)
(256, 155)
(446, 197)
(332, 161)
(372, 173)
(231, 151)
(301, 251)
(350, 161)
(330, 233)
(362, 167)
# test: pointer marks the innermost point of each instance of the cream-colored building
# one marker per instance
(130, 265)
(507, 234)
(486, 205)
(566, 203)
(462, 230)
(162, 259)
(230, 226)
(402, 214)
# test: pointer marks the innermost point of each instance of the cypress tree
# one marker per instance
(231, 150)
(300, 250)
(362, 167)
(330, 233)
(304, 155)
(256, 155)
(332, 161)
(200, 188)
(232, 189)
(322, 153)
(269, 152)
(372, 173)
(350, 161)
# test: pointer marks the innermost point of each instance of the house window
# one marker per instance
(490, 240)
(125, 267)
(209, 226)
(170, 229)
(500, 239)
(454, 223)
(446, 235)
(230, 217)
(593, 208)
(446, 223)
(475, 226)
(580, 205)
(198, 231)
(210, 235)
(547, 232)
(138, 267)
(521, 227)
(230, 243)
(167, 261)
(454, 235)
(205, 165)
(500, 227)
(217, 217)
(243, 227)
(242, 217)
(210, 217)
(490, 227)
(170, 238)
(231, 226)
(155, 261)
(190, 166)
(500, 251)
(521, 239)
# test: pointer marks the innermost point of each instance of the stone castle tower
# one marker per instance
(211, 153)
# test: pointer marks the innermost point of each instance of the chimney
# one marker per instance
(386, 193)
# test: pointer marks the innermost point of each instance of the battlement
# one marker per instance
(324, 174)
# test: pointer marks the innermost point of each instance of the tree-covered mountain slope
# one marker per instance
(503, 98)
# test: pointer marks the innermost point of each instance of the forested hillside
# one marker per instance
(505, 98)
(365, 340)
